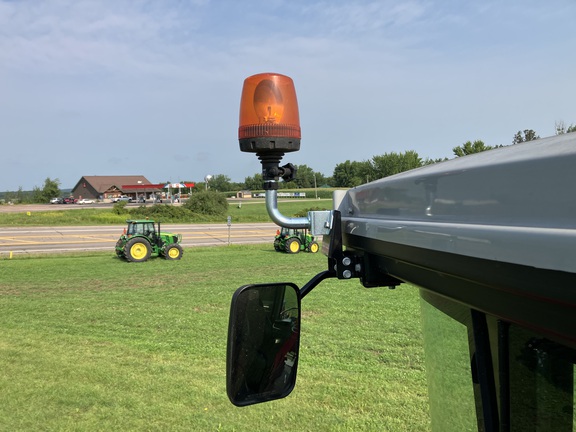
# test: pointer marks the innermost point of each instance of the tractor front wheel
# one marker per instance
(314, 247)
(277, 245)
(293, 245)
(119, 249)
(173, 252)
(137, 250)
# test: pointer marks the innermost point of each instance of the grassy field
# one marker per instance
(92, 343)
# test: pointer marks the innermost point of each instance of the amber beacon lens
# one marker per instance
(269, 119)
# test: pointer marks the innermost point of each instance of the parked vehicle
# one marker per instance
(69, 200)
(122, 198)
(86, 201)
(56, 201)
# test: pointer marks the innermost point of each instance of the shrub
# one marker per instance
(119, 208)
(207, 203)
(161, 212)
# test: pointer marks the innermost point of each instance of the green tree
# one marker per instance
(207, 202)
(528, 135)
(37, 196)
(393, 163)
(327, 181)
(343, 174)
(429, 161)
(22, 197)
(562, 129)
(220, 183)
(253, 183)
(51, 189)
(304, 177)
(350, 174)
(8, 196)
(469, 148)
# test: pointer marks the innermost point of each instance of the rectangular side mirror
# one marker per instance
(263, 343)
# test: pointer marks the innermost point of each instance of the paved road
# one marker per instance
(62, 239)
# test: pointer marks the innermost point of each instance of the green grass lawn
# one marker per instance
(92, 343)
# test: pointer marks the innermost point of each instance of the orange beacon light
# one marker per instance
(269, 119)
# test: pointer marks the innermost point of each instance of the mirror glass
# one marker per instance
(263, 343)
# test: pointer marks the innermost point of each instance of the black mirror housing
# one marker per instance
(263, 343)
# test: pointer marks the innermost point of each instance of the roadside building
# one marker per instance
(109, 187)
(244, 194)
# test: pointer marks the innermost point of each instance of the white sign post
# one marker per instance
(229, 226)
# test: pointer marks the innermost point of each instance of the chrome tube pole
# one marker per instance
(280, 219)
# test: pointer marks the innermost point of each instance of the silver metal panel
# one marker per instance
(516, 204)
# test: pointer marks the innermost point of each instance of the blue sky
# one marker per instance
(129, 87)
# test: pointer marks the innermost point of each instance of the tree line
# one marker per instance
(354, 173)
(50, 189)
(345, 175)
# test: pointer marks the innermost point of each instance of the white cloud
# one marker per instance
(76, 37)
(361, 17)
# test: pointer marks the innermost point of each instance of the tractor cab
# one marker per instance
(146, 228)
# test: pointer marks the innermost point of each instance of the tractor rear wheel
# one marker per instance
(137, 249)
(313, 247)
(292, 245)
(173, 252)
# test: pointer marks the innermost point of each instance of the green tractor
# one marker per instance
(293, 240)
(142, 240)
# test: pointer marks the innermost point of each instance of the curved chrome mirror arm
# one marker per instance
(319, 222)
(280, 219)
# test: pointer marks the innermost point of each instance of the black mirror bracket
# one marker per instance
(341, 264)
(345, 264)
(348, 264)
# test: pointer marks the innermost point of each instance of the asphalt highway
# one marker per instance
(29, 240)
